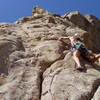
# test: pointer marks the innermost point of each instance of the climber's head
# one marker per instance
(76, 36)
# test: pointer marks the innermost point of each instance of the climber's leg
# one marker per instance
(76, 57)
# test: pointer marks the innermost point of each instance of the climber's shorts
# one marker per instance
(83, 51)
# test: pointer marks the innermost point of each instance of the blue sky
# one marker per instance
(11, 10)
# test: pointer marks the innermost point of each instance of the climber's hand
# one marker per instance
(60, 39)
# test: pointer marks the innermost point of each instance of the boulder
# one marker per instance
(78, 19)
(63, 82)
(93, 20)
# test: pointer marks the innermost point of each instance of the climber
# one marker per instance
(79, 50)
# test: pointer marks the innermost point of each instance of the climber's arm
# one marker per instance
(64, 38)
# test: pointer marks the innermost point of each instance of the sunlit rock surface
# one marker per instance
(34, 65)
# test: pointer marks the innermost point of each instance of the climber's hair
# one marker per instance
(78, 39)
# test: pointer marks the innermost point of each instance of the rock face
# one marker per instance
(34, 65)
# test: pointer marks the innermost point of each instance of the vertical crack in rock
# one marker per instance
(41, 80)
(52, 76)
